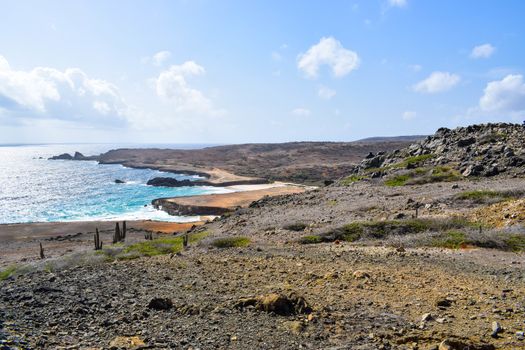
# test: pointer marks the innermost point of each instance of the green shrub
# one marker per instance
(421, 176)
(382, 229)
(312, 239)
(515, 242)
(6, 273)
(231, 242)
(159, 246)
(398, 180)
(487, 196)
(450, 239)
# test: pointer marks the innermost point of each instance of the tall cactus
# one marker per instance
(116, 235)
(42, 256)
(185, 241)
(98, 243)
(123, 236)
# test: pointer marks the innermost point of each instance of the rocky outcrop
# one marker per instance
(476, 150)
(172, 182)
(178, 209)
(76, 156)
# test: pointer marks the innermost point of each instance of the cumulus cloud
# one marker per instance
(330, 52)
(506, 95)
(482, 51)
(49, 93)
(409, 115)
(301, 112)
(437, 82)
(397, 3)
(326, 93)
(172, 86)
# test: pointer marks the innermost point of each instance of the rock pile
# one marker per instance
(476, 150)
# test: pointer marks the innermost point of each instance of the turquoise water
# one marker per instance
(34, 189)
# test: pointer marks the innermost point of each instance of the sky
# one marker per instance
(235, 71)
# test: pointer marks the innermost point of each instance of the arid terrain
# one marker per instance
(377, 260)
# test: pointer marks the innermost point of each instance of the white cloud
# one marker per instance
(397, 3)
(157, 59)
(49, 93)
(328, 51)
(301, 112)
(160, 57)
(437, 82)
(326, 93)
(482, 51)
(506, 95)
(172, 86)
(409, 115)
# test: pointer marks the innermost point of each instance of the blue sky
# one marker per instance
(255, 71)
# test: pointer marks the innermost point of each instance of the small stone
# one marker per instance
(496, 329)
(427, 317)
(360, 274)
(520, 335)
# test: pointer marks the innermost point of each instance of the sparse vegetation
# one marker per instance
(421, 176)
(450, 239)
(488, 196)
(159, 246)
(231, 242)
(311, 239)
(373, 230)
(6, 273)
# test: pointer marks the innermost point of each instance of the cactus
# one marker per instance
(185, 241)
(116, 235)
(42, 256)
(148, 236)
(123, 236)
(98, 243)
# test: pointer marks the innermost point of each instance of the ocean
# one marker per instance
(35, 189)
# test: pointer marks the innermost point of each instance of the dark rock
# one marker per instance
(117, 181)
(79, 156)
(169, 182)
(63, 156)
(160, 304)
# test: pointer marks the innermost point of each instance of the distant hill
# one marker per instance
(407, 138)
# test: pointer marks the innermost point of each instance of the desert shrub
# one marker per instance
(488, 196)
(398, 180)
(421, 176)
(7, 272)
(374, 230)
(515, 242)
(450, 239)
(311, 239)
(297, 226)
(159, 246)
(230, 242)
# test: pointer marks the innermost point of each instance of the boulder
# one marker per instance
(160, 304)
(278, 304)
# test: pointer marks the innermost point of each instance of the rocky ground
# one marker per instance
(362, 297)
